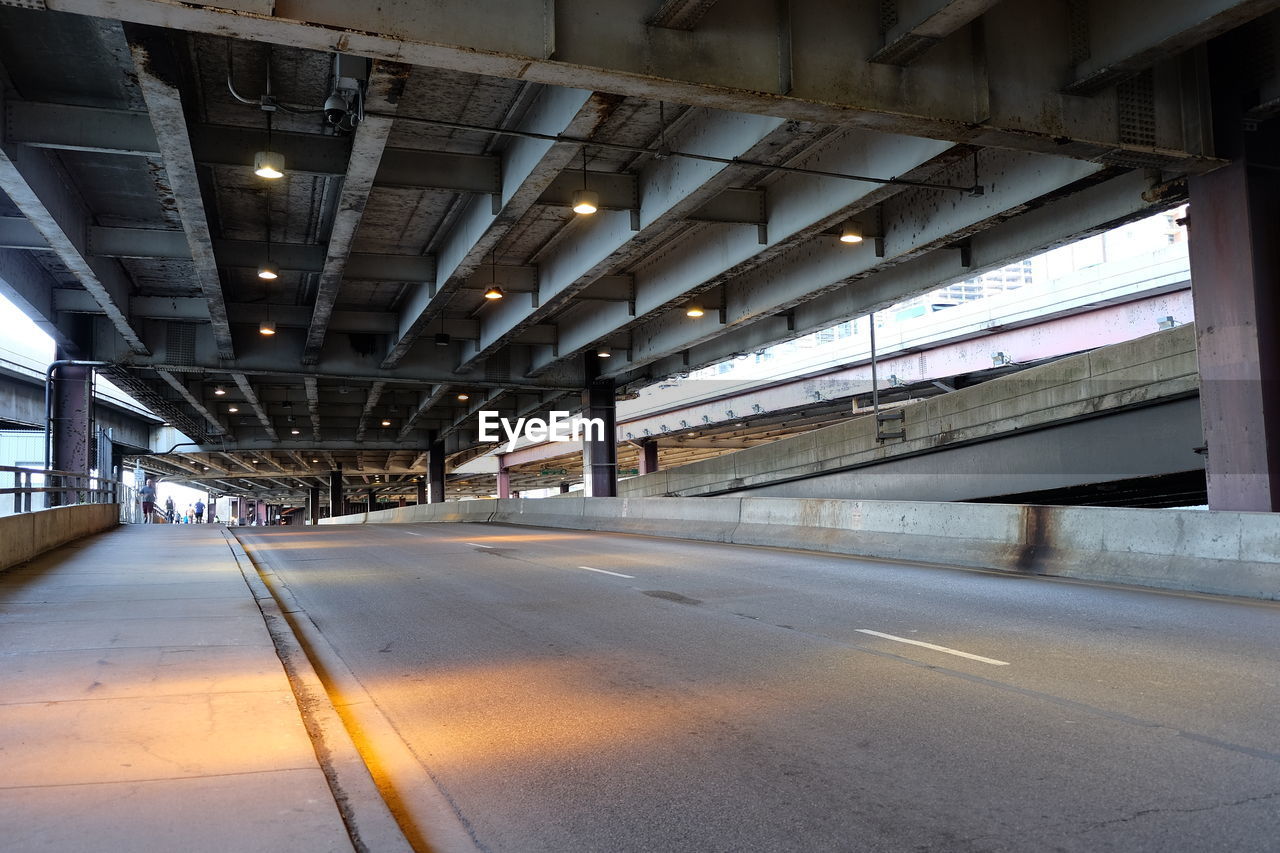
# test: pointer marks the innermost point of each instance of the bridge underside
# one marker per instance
(728, 147)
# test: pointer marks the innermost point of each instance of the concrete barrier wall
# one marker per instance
(29, 534)
(1229, 553)
(950, 432)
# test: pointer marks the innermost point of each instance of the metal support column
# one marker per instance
(422, 491)
(648, 456)
(313, 505)
(504, 477)
(72, 425)
(599, 446)
(335, 494)
(435, 472)
(1235, 275)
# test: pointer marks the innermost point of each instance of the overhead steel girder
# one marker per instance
(920, 24)
(914, 222)
(157, 73)
(125, 132)
(669, 190)
(39, 190)
(1125, 37)
(27, 285)
(529, 166)
(280, 356)
(302, 446)
(193, 401)
(385, 85)
(1001, 89)
(1093, 210)
(109, 242)
(801, 207)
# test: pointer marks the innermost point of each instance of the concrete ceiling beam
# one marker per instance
(920, 24)
(386, 84)
(156, 64)
(769, 58)
(529, 166)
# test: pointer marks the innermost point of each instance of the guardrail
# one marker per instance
(42, 488)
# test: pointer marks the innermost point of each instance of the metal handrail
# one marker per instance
(87, 488)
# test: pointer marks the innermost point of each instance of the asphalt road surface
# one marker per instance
(573, 691)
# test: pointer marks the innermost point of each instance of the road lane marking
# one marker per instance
(955, 652)
(410, 532)
(477, 545)
(606, 572)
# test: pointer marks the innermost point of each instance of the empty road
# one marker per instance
(575, 691)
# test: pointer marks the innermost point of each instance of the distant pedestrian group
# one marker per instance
(194, 513)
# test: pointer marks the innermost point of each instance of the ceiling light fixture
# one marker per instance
(604, 352)
(268, 271)
(494, 292)
(850, 233)
(693, 309)
(295, 432)
(267, 328)
(443, 339)
(233, 409)
(218, 390)
(268, 164)
(386, 422)
(585, 201)
(464, 397)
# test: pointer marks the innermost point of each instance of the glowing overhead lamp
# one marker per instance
(693, 309)
(267, 271)
(851, 233)
(233, 409)
(218, 390)
(494, 292)
(603, 352)
(464, 397)
(267, 327)
(585, 201)
(386, 422)
(268, 164)
(295, 431)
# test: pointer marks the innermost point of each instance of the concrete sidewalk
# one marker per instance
(143, 706)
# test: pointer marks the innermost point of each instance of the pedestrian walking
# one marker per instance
(190, 514)
(168, 509)
(199, 512)
(148, 495)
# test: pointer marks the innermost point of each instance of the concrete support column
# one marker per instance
(335, 494)
(401, 501)
(313, 505)
(435, 472)
(371, 501)
(600, 452)
(564, 488)
(422, 491)
(263, 513)
(1235, 275)
(71, 426)
(504, 477)
(648, 456)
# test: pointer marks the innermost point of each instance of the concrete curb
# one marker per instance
(393, 803)
(369, 822)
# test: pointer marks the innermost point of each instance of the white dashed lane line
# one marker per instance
(606, 572)
(944, 649)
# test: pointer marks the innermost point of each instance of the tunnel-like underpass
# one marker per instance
(568, 690)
